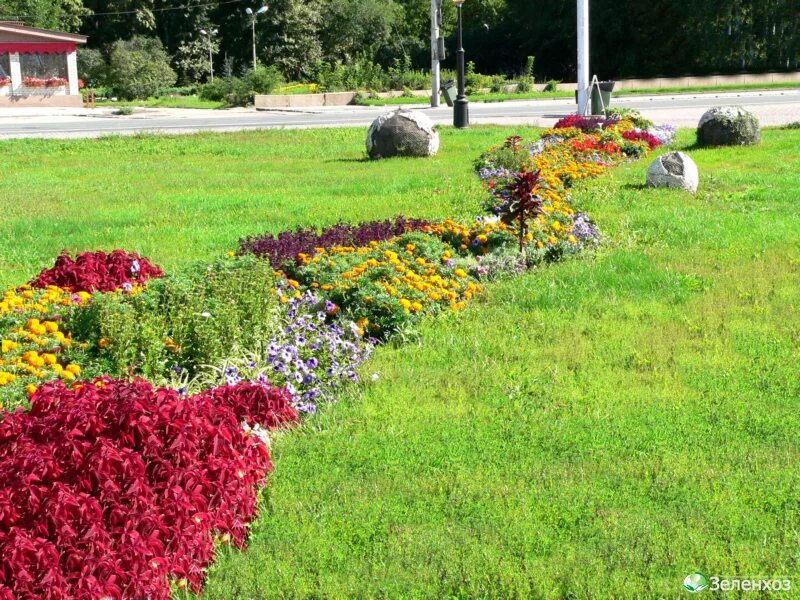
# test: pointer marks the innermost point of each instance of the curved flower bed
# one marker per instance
(116, 486)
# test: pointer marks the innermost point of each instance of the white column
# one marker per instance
(583, 56)
(435, 73)
(16, 72)
(72, 73)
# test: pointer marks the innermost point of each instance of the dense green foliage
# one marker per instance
(139, 67)
(193, 319)
(630, 38)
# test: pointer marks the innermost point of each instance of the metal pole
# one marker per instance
(461, 108)
(583, 56)
(210, 60)
(435, 71)
(255, 64)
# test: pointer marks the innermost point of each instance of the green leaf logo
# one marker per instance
(696, 582)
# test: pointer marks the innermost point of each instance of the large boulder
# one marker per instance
(402, 133)
(673, 170)
(728, 126)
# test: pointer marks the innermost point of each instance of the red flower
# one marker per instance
(642, 136)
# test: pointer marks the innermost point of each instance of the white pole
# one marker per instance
(435, 72)
(255, 61)
(583, 56)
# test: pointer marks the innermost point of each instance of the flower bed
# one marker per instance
(116, 486)
(5, 81)
(46, 82)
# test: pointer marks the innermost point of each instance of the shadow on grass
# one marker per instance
(362, 159)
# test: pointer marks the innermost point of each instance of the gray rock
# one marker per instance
(728, 126)
(402, 133)
(673, 170)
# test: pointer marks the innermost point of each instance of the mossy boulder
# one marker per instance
(728, 126)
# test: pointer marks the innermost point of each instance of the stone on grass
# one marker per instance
(402, 133)
(673, 170)
(728, 126)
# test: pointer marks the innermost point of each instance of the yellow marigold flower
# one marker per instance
(406, 304)
(31, 389)
(460, 273)
(327, 287)
(49, 359)
(571, 239)
(8, 346)
(293, 283)
(416, 306)
(84, 296)
(68, 375)
(551, 240)
(410, 247)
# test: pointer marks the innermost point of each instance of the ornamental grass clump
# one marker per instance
(116, 489)
(98, 272)
(288, 246)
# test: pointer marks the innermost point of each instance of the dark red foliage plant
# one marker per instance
(98, 271)
(116, 489)
(285, 247)
(524, 204)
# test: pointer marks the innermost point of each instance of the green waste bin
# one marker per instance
(601, 96)
(449, 90)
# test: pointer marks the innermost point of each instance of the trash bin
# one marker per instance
(449, 90)
(601, 96)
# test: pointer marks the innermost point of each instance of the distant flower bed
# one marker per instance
(115, 489)
(39, 82)
(5, 81)
(98, 272)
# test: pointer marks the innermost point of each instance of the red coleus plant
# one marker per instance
(98, 271)
(525, 204)
(113, 489)
(642, 136)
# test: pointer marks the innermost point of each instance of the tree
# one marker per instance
(62, 15)
(288, 38)
(92, 67)
(191, 58)
(139, 67)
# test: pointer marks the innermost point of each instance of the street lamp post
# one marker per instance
(209, 35)
(253, 17)
(461, 105)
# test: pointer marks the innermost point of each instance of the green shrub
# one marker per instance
(530, 62)
(92, 67)
(139, 67)
(239, 91)
(551, 85)
(182, 321)
(523, 87)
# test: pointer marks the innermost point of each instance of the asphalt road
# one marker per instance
(772, 107)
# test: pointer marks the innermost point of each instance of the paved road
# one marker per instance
(772, 107)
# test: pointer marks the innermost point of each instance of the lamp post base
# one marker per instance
(461, 113)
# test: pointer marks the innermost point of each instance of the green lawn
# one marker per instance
(600, 428)
(165, 102)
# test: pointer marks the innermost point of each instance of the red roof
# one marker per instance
(16, 29)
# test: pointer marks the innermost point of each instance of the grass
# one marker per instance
(599, 428)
